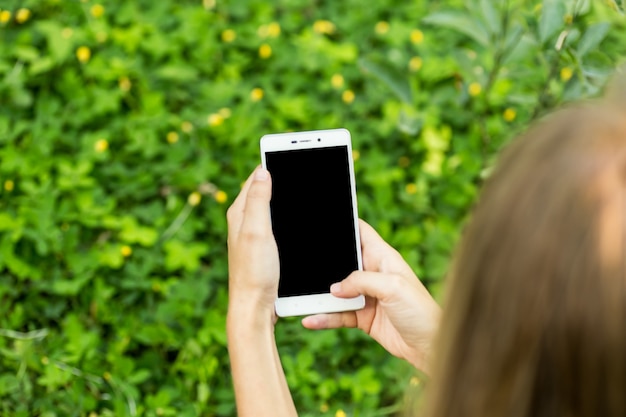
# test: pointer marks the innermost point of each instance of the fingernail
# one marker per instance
(336, 287)
(261, 174)
(309, 321)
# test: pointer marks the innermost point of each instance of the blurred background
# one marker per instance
(127, 128)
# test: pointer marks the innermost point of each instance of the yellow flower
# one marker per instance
(225, 112)
(566, 73)
(355, 155)
(125, 84)
(156, 287)
(220, 196)
(381, 28)
(101, 145)
(568, 19)
(323, 27)
(324, 407)
(83, 54)
(93, 414)
(101, 36)
(262, 31)
(265, 51)
(172, 137)
(417, 36)
(337, 81)
(612, 4)
(186, 127)
(340, 413)
(97, 10)
(474, 89)
(5, 16)
(208, 4)
(403, 161)
(215, 119)
(22, 15)
(414, 381)
(45, 360)
(229, 35)
(126, 251)
(9, 185)
(411, 188)
(107, 376)
(348, 96)
(194, 198)
(509, 114)
(415, 64)
(273, 30)
(256, 94)
(67, 33)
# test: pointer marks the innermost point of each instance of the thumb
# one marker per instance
(256, 219)
(377, 285)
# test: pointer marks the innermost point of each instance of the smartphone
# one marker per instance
(314, 218)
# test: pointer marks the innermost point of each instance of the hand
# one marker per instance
(258, 378)
(399, 312)
(252, 252)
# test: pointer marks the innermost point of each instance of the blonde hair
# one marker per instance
(535, 318)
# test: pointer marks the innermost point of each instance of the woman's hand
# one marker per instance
(399, 312)
(258, 378)
(252, 253)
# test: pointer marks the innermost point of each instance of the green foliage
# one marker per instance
(126, 128)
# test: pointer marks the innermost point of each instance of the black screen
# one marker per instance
(312, 218)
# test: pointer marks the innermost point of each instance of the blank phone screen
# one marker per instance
(312, 218)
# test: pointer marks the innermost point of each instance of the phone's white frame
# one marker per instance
(317, 303)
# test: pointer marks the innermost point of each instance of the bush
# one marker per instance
(126, 129)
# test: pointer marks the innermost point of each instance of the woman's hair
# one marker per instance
(535, 318)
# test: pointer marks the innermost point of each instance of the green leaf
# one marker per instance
(111, 256)
(26, 53)
(53, 378)
(551, 20)
(8, 222)
(69, 286)
(462, 23)
(139, 376)
(134, 233)
(394, 79)
(177, 73)
(592, 37)
(410, 121)
(16, 265)
(41, 65)
(490, 15)
(8, 384)
(60, 46)
(183, 255)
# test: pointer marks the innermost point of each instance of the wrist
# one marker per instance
(421, 356)
(420, 359)
(249, 315)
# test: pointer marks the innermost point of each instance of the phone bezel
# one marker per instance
(317, 303)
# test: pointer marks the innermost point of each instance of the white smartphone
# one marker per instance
(314, 218)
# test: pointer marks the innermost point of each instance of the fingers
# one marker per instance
(330, 321)
(234, 214)
(256, 212)
(378, 255)
(372, 284)
(374, 247)
(369, 236)
(236, 211)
